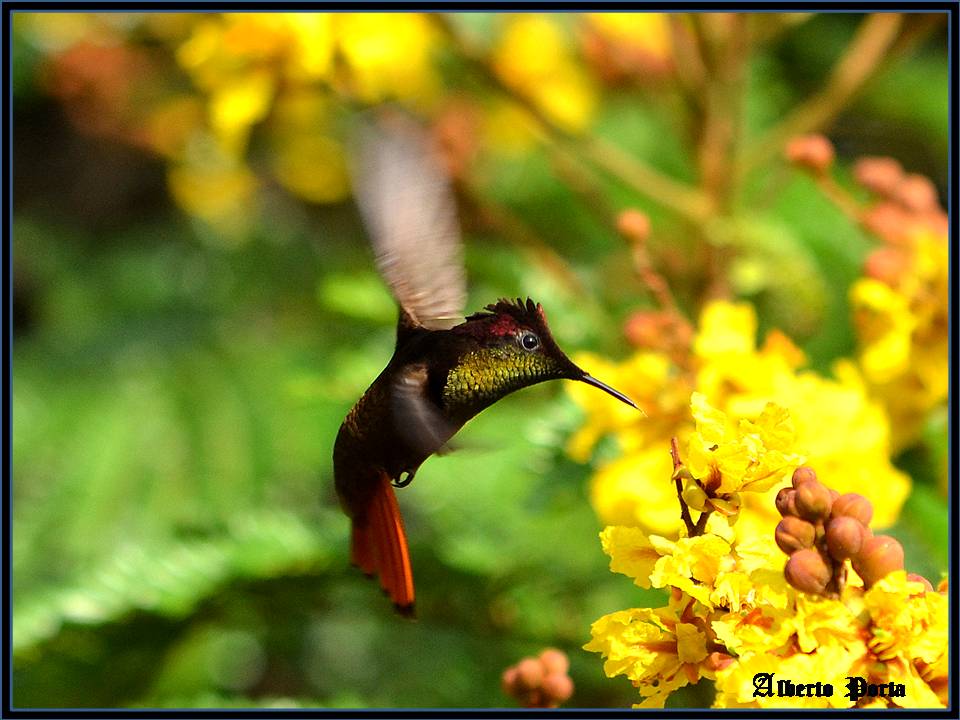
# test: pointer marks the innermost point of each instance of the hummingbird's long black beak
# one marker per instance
(590, 380)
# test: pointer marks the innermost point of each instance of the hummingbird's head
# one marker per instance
(516, 350)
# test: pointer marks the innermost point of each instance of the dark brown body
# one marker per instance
(378, 435)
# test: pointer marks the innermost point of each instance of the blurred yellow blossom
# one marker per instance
(634, 46)
(619, 499)
(901, 322)
(388, 54)
(839, 428)
(648, 30)
(219, 192)
(533, 57)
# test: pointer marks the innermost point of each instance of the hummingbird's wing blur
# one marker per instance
(420, 422)
(410, 213)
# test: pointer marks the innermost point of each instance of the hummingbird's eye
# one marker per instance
(529, 341)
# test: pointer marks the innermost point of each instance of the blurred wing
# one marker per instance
(423, 426)
(409, 210)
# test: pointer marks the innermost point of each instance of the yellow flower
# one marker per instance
(651, 381)
(533, 57)
(389, 55)
(750, 456)
(755, 579)
(313, 166)
(901, 327)
(735, 683)
(689, 564)
(631, 553)
(820, 621)
(235, 106)
(905, 620)
(212, 186)
(732, 615)
(649, 31)
(726, 329)
(884, 316)
(653, 648)
(661, 562)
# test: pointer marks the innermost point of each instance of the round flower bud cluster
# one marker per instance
(821, 529)
(539, 682)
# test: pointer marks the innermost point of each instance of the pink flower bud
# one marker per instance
(812, 152)
(927, 585)
(879, 175)
(803, 474)
(529, 674)
(787, 502)
(853, 505)
(633, 225)
(888, 221)
(717, 661)
(845, 537)
(813, 501)
(557, 687)
(794, 534)
(554, 661)
(916, 193)
(508, 681)
(886, 264)
(806, 570)
(879, 556)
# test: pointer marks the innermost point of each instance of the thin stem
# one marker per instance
(690, 73)
(839, 196)
(702, 522)
(859, 62)
(673, 194)
(654, 281)
(678, 471)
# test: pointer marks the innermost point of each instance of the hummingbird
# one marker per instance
(445, 368)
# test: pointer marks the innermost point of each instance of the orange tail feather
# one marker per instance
(379, 546)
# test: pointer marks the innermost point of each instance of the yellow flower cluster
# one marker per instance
(283, 68)
(236, 101)
(839, 429)
(283, 72)
(535, 58)
(732, 616)
(901, 322)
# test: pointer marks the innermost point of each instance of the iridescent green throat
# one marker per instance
(484, 376)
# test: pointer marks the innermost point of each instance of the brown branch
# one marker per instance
(677, 196)
(690, 73)
(839, 196)
(702, 522)
(859, 62)
(654, 281)
(728, 41)
(678, 472)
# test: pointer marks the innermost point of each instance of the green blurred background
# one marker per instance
(178, 387)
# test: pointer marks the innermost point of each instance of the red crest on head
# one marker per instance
(506, 317)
